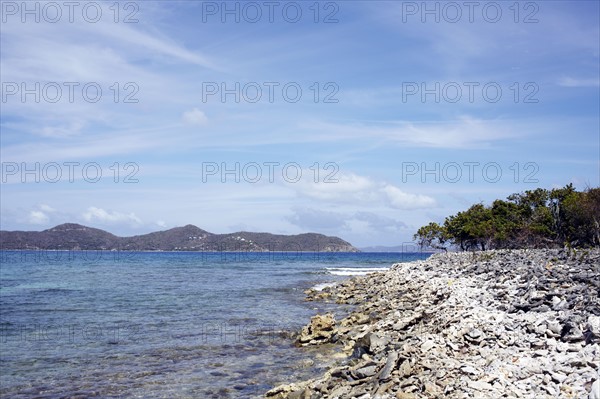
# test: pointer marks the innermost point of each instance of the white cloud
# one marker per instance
(124, 60)
(155, 45)
(195, 117)
(38, 217)
(342, 186)
(379, 223)
(354, 189)
(47, 208)
(318, 220)
(100, 215)
(329, 221)
(69, 130)
(161, 223)
(114, 143)
(465, 131)
(401, 200)
(579, 82)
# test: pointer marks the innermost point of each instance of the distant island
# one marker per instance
(72, 236)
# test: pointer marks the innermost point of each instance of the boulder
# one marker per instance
(320, 329)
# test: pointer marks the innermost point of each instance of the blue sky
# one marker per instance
(420, 106)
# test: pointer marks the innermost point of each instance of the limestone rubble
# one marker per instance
(495, 324)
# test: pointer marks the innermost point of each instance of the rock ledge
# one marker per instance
(510, 324)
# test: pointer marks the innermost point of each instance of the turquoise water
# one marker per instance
(161, 325)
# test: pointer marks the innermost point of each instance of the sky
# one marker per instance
(360, 119)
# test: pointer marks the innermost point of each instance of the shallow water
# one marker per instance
(161, 325)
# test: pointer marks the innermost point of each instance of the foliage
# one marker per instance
(431, 236)
(536, 218)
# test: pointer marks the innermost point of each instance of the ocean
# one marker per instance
(83, 324)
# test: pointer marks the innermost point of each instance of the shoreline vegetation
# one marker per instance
(537, 218)
(500, 323)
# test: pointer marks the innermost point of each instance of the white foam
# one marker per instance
(355, 271)
(320, 287)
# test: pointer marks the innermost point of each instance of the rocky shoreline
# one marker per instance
(494, 324)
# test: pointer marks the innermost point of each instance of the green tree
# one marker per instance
(532, 219)
(470, 229)
(431, 236)
(479, 226)
(506, 222)
(560, 213)
(591, 206)
(456, 230)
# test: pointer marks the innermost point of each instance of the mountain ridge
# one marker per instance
(73, 236)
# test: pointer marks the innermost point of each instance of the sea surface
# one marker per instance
(82, 324)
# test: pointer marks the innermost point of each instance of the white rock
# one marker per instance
(555, 301)
(558, 377)
(427, 345)
(469, 370)
(480, 386)
(595, 393)
(554, 326)
(594, 324)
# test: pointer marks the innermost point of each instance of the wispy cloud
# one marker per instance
(318, 220)
(327, 221)
(579, 82)
(95, 214)
(195, 117)
(402, 200)
(38, 217)
(350, 188)
(41, 215)
(463, 132)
